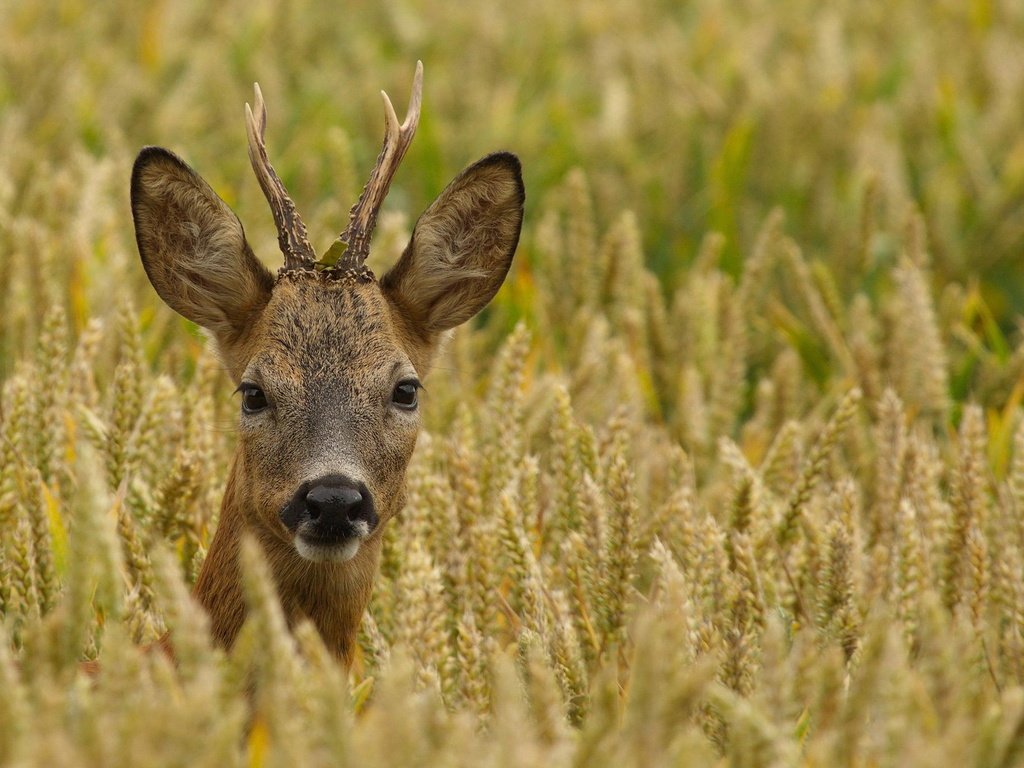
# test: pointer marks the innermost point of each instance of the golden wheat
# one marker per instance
(732, 470)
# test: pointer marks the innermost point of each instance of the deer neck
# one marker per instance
(333, 596)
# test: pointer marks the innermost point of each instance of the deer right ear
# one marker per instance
(461, 247)
(193, 247)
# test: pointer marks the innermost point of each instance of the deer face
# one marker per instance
(329, 414)
(327, 361)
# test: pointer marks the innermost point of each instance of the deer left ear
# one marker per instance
(194, 249)
(462, 246)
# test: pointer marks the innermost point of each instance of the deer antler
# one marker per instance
(397, 139)
(291, 232)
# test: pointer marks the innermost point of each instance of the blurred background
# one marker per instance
(697, 116)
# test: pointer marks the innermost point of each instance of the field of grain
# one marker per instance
(731, 472)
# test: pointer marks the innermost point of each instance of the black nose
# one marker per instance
(331, 509)
(329, 501)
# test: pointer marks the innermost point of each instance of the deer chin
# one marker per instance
(340, 551)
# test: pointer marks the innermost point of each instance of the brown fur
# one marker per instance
(327, 349)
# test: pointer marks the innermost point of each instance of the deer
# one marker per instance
(328, 360)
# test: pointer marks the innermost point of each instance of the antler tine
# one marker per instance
(397, 139)
(291, 232)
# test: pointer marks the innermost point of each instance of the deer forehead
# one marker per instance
(316, 330)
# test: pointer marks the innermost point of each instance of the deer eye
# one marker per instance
(253, 398)
(405, 395)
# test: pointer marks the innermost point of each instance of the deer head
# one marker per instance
(328, 360)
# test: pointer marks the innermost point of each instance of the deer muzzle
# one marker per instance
(330, 517)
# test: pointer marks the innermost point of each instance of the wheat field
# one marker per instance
(731, 472)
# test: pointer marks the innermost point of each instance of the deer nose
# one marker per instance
(335, 507)
(327, 501)
(331, 509)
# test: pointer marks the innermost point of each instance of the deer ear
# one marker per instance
(462, 246)
(193, 247)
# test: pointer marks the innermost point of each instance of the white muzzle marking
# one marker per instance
(334, 553)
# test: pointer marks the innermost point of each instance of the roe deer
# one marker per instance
(328, 360)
